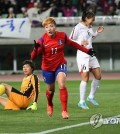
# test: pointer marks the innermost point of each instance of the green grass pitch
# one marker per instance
(108, 95)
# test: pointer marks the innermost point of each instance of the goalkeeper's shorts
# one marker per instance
(17, 100)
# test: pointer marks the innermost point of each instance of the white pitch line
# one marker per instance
(63, 128)
(67, 127)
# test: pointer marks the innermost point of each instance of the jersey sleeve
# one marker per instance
(75, 45)
(35, 52)
(36, 86)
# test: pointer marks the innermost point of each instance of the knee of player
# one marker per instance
(99, 78)
(61, 85)
(86, 79)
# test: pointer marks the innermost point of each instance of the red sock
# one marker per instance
(64, 98)
(49, 96)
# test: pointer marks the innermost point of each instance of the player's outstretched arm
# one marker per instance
(80, 47)
(92, 52)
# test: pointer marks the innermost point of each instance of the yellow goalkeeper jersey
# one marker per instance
(31, 85)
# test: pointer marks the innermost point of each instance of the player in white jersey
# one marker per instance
(81, 32)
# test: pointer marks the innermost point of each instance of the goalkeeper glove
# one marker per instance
(36, 45)
(32, 107)
(91, 52)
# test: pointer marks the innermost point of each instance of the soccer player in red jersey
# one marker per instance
(54, 65)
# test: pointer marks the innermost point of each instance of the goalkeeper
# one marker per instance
(28, 94)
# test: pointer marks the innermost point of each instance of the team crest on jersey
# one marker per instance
(89, 33)
(60, 42)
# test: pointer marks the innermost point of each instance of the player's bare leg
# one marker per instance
(61, 77)
(49, 95)
(94, 86)
(3, 101)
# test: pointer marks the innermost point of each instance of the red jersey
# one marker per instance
(52, 49)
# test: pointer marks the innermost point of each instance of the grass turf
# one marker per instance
(108, 95)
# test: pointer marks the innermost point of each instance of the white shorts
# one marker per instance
(85, 64)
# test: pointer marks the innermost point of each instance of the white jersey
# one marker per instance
(79, 33)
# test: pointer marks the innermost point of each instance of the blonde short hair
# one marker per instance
(48, 21)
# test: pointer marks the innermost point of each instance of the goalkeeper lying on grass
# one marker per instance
(29, 92)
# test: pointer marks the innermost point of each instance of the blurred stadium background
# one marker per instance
(20, 24)
(13, 50)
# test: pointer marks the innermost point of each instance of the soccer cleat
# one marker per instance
(93, 101)
(50, 110)
(83, 105)
(65, 115)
